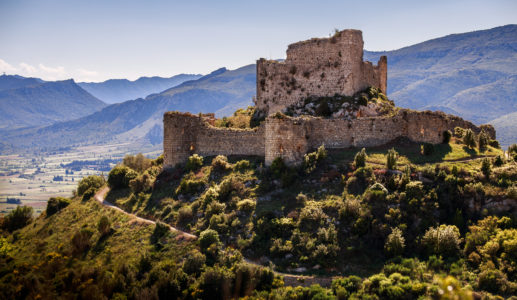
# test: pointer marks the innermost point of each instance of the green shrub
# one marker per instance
(18, 218)
(311, 217)
(90, 182)
(346, 286)
(459, 132)
(447, 134)
(160, 230)
(242, 165)
(493, 281)
(208, 238)
(120, 176)
(512, 192)
(189, 186)
(499, 161)
(442, 240)
(88, 194)
(215, 283)
(142, 183)
(312, 159)
(428, 149)
(220, 164)
(469, 139)
(246, 205)
(194, 162)
(512, 149)
(278, 167)
(81, 241)
(495, 144)
(395, 242)
(138, 162)
(104, 226)
(194, 263)
(185, 215)
(360, 158)
(486, 168)
(56, 204)
(391, 159)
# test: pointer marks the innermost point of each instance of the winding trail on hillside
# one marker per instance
(100, 197)
(289, 279)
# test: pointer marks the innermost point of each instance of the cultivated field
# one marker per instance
(33, 179)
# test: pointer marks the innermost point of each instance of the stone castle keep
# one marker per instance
(313, 68)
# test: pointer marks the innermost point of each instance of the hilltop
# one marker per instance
(345, 221)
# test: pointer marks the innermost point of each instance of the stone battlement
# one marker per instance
(318, 67)
(313, 68)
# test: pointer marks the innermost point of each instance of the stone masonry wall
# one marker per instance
(318, 67)
(290, 138)
(186, 134)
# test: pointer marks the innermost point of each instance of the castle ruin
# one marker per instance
(319, 67)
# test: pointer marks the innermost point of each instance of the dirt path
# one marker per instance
(289, 279)
(101, 194)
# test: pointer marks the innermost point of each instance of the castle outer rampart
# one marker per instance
(291, 138)
(318, 67)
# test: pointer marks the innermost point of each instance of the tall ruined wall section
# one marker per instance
(318, 67)
(186, 134)
(291, 138)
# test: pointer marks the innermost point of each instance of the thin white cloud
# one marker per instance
(27, 69)
(57, 71)
(6, 67)
(46, 72)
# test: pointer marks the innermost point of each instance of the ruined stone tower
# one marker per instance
(318, 67)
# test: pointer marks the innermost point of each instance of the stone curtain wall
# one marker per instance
(318, 67)
(185, 134)
(290, 138)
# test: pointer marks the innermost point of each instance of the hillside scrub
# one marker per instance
(388, 227)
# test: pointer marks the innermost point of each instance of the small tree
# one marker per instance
(483, 141)
(486, 167)
(395, 242)
(360, 158)
(17, 218)
(93, 182)
(442, 240)
(391, 159)
(469, 139)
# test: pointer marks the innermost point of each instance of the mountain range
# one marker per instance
(32, 102)
(472, 75)
(119, 90)
(221, 91)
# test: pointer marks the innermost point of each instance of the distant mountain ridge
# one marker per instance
(33, 102)
(221, 91)
(119, 90)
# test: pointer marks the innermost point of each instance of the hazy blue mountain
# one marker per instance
(8, 82)
(120, 90)
(36, 104)
(222, 90)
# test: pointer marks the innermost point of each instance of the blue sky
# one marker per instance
(96, 40)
